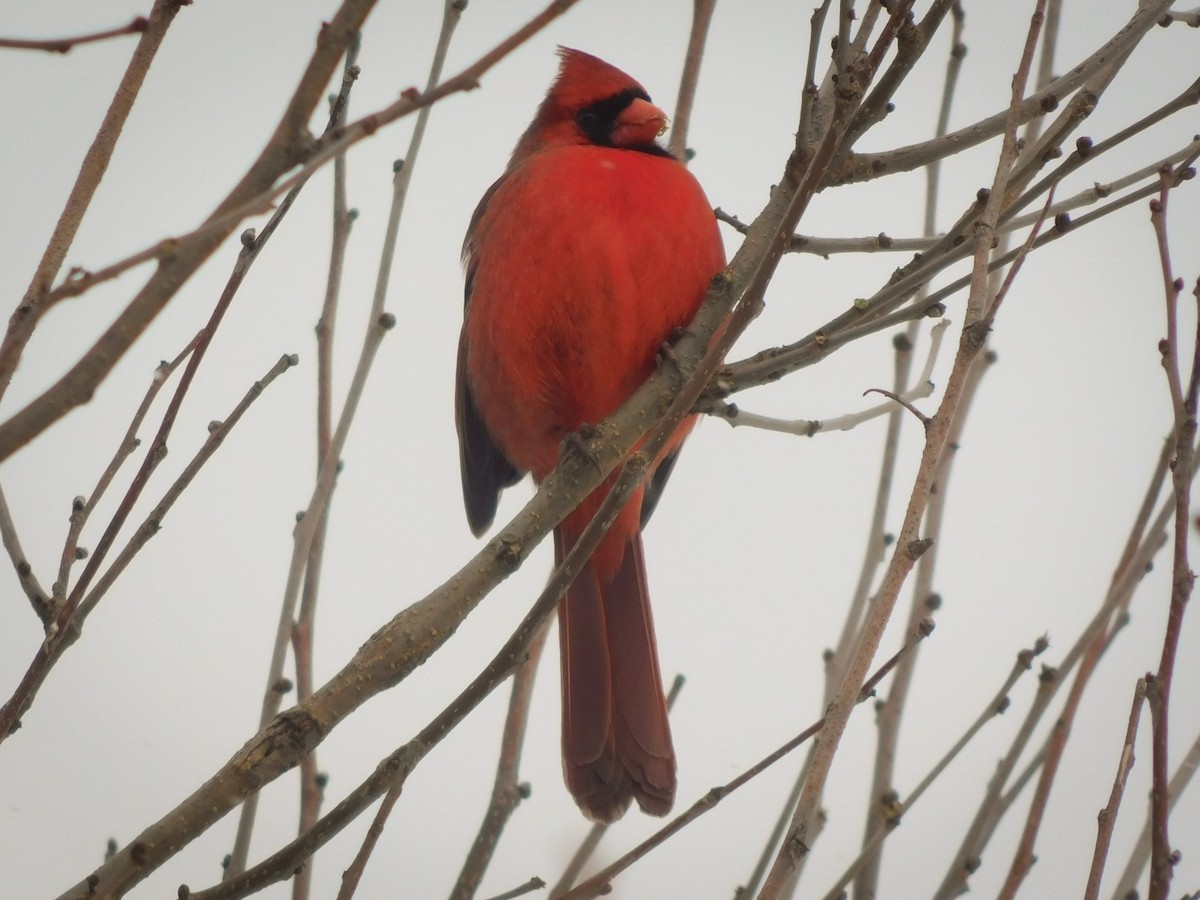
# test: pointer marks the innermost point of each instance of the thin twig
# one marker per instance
(533, 884)
(179, 258)
(95, 163)
(507, 791)
(600, 882)
(1107, 819)
(63, 45)
(921, 388)
(311, 781)
(808, 130)
(896, 809)
(81, 512)
(702, 12)
(967, 859)
(908, 547)
(41, 602)
(153, 522)
(1140, 853)
(1184, 405)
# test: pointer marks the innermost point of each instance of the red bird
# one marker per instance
(592, 248)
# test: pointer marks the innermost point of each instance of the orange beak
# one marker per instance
(639, 123)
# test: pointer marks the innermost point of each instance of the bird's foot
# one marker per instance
(666, 353)
(578, 441)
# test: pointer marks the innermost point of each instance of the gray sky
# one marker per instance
(754, 550)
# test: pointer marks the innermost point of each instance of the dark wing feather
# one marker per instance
(486, 471)
(655, 485)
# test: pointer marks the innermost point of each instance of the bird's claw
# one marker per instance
(666, 352)
(578, 441)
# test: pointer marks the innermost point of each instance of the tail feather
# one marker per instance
(616, 738)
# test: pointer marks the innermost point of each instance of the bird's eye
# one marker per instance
(587, 120)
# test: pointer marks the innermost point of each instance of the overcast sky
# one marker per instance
(754, 551)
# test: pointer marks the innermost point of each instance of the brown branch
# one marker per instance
(179, 258)
(95, 163)
(312, 782)
(909, 547)
(138, 25)
(41, 601)
(1184, 405)
(533, 884)
(702, 12)
(600, 883)
(1187, 767)
(1107, 819)
(896, 809)
(507, 791)
(867, 166)
(924, 603)
(65, 629)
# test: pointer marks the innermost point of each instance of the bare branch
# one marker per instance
(1141, 852)
(311, 782)
(138, 25)
(702, 12)
(179, 258)
(600, 883)
(1108, 815)
(1184, 405)
(895, 809)
(38, 598)
(507, 791)
(867, 166)
(922, 387)
(533, 884)
(95, 163)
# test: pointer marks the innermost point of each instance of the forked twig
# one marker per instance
(922, 387)
(896, 809)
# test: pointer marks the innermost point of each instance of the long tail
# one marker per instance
(616, 738)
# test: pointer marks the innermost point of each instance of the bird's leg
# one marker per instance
(666, 352)
(578, 441)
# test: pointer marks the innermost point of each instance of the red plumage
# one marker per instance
(582, 259)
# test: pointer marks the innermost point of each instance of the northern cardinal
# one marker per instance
(592, 248)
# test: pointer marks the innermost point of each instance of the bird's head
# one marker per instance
(592, 102)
